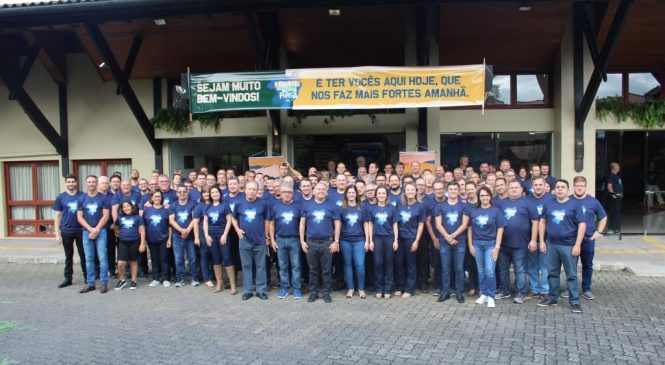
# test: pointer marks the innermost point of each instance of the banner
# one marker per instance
(266, 165)
(340, 88)
(426, 159)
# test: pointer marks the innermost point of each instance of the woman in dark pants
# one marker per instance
(469, 261)
(158, 236)
(412, 217)
(382, 228)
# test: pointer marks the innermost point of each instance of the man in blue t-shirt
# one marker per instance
(592, 210)
(92, 215)
(251, 222)
(67, 227)
(615, 190)
(181, 219)
(319, 237)
(536, 261)
(284, 238)
(521, 231)
(561, 231)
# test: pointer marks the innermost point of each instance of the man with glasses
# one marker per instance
(592, 210)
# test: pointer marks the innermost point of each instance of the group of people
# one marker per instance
(378, 231)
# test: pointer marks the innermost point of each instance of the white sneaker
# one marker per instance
(166, 283)
(195, 283)
(154, 283)
(482, 299)
(179, 284)
(490, 303)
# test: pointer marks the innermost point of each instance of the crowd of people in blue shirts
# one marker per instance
(375, 231)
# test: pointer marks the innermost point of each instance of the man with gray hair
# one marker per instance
(284, 225)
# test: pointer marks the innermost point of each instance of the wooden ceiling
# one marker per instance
(508, 39)
(358, 37)
(641, 45)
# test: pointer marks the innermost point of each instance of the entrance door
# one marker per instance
(642, 159)
(317, 150)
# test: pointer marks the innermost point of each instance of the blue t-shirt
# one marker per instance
(335, 197)
(539, 203)
(430, 204)
(562, 220)
(217, 218)
(352, 219)
(233, 200)
(592, 211)
(68, 206)
(93, 207)
(518, 215)
(382, 219)
(409, 218)
(251, 218)
(321, 217)
(451, 217)
(198, 213)
(527, 186)
(551, 181)
(120, 197)
(183, 213)
(394, 199)
(129, 227)
(194, 195)
(484, 222)
(286, 218)
(157, 224)
(617, 184)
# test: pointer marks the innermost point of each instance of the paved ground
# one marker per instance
(40, 324)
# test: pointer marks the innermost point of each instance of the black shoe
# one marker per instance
(274, 286)
(262, 296)
(576, 308)
(547, 303)
(460, 297)
(423, 289)
(313, 297)
(65, 283)
(133, 285)
(327, 298)
(121, 284)
(443, 297)
(114, 275)
(227, 286)
(247, 296)
(87, 288)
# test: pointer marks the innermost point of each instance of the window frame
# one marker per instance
(35, 202)
(104, 164)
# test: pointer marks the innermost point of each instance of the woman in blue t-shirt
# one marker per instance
(131, 241)
(412, 215)
(354, 240)
(158, 236)
(382, 230)
(216, 227)
(199, 236)
(484, 239)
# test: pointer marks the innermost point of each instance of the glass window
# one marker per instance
(32, 187)
(98, 168)
(642, 87)
(611, 88)
(500, 94)
(533, 89)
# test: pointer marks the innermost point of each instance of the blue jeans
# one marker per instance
(180, 248)
(253, 255)
(536, 272)
(94, 247)
(517, 257)
(205, 259)
(486, 266)
(452, 260)
(405, 266)
(354, 257)
(288, 252)
(586, 256)
(558, 255)
(383, 263)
